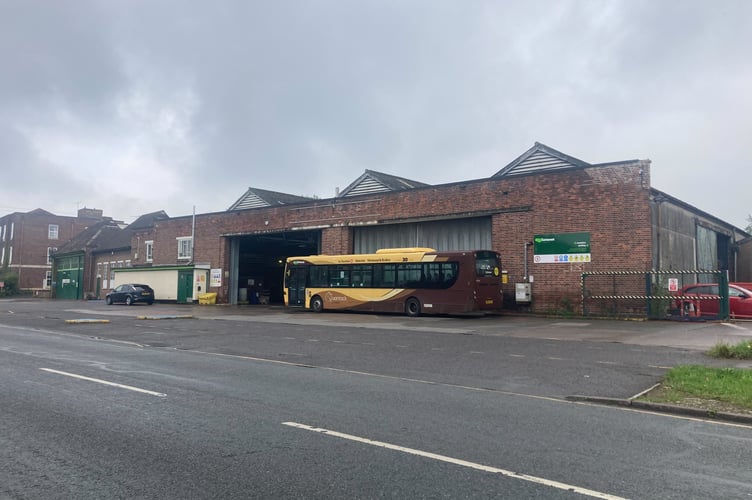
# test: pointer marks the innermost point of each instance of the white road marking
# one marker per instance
(517, 355)
(104, 382)
(606, 363)
(732, 325)
(455, 461)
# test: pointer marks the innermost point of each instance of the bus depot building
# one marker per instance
(553, 219)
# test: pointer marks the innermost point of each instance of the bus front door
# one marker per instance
(296, 284)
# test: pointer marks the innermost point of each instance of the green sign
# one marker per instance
(561, 248)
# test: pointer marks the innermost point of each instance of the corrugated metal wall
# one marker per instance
(457, 234)
(707, 249)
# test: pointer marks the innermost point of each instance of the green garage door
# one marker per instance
(70, 277)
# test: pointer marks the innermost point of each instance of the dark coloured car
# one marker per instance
(130, 293)
(703, 299)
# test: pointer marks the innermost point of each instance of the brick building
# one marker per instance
(629, 225)
(29, 239)
(84, 267)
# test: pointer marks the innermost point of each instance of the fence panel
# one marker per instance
(653, 294)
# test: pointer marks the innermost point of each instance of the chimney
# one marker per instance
(90, 213)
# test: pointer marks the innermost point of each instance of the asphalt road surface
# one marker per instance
(279, 405)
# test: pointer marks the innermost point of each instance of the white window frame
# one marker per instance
(10, 255)
(185, 247)
(149, 251)
(48, 280)
(12, 227)
(50, 251)
(53, 231)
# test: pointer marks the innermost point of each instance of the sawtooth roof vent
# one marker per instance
(540, 158)
(377, 182)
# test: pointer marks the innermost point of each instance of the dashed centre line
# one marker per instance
(455, 461)
(104, 382)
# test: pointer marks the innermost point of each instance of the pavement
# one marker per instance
(693, 335)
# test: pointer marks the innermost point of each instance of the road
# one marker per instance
(276, 405)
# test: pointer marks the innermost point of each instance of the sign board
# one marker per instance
(216, 278)
(561, 248)
(673, 284)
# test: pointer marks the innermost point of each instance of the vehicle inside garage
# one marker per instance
(261, 263)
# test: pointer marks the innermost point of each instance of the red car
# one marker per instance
(708, 300)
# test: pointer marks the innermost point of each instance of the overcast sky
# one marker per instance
(139, 106)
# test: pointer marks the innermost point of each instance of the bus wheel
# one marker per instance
(412, 307)
(317, 305)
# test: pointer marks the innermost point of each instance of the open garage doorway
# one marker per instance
(258, 264)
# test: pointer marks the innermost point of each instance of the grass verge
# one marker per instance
(742, 350)
(730, 385)
(712, 389)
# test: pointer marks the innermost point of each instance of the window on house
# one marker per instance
(52, 231)
(10, 255)
(5, 227)
(50, 251)
(2, 258)
(48, 279)
(184, 248)
(149, 251)
(12, 226)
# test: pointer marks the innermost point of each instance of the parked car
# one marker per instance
(130, 293)
(703, 299)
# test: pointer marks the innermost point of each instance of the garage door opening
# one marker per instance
(261, 263)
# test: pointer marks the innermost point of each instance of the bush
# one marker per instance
(10, 281)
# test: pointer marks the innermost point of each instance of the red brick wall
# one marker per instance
(92, 269)
(609, 201)
(30, 242)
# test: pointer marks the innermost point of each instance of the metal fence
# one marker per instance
(653, 294)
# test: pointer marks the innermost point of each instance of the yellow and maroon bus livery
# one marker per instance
(409, 280)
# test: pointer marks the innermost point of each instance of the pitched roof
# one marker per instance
(258, 198)
(39, 211)
(147, 220)
(378, 182)
(101, 236)
(540, 158)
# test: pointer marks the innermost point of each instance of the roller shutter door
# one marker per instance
(446, 235)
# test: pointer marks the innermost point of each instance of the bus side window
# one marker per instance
(362, 276)
(383, 275)
(339, 276)
(449, 274)
(318, 277)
